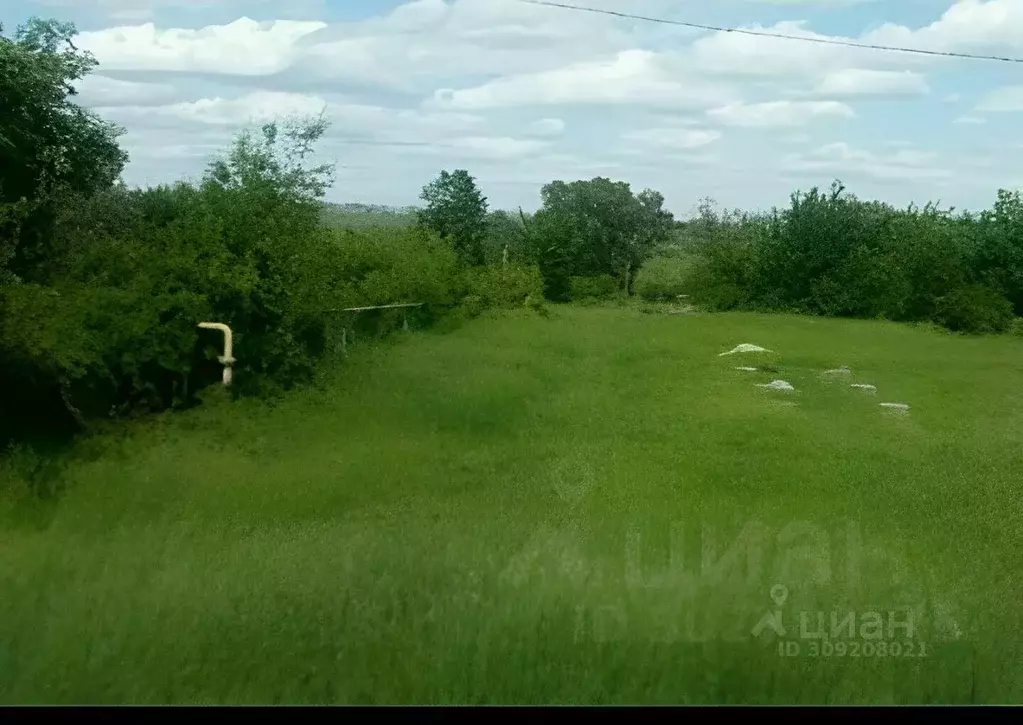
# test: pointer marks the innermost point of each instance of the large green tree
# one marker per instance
(457, 211)
(596, 227)
(49, 145)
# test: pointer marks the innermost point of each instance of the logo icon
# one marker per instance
(773, 620)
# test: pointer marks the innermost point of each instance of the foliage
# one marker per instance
(975, 309)
(48, 144)
(131, 273)
(505, 286)
(596, 287)
(595, 227)
(830, 253)
(505, 231)
(997, 254)
(665, 278)
(457, 211)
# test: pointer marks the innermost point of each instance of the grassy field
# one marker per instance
(361, 216)
(592, 508)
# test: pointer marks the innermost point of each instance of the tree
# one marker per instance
(457, 211)
(48, 144)
(997, 257)
(267, 183)
(597, 227)
(504, 232)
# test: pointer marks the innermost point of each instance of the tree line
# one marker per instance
(830, 253)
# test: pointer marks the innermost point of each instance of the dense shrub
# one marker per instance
(723, 277)
(830, 253)
(594, 287)
(975, 309)
(504, 286)
(665, 277)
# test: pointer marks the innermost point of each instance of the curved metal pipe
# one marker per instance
(227, 359)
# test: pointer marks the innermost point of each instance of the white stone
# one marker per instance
(895, 406)
(748, 370)
(744, 347)
(839, 371)
(777, 385)
(861, 386)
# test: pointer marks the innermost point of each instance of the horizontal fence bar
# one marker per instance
(379, 307)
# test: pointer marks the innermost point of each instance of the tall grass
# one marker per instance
(538, 511)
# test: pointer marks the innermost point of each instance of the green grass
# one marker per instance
(529, 511)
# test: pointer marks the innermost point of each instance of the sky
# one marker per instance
(521, 95)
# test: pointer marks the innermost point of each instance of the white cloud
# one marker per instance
(778, 114)
(866, 82)
(134, 9)
(415, 42)
(812, 2)
(547, 127)
(748, 56)
(631, 77)
(678, 139)
(967, 26)
(501, 148)
(257, 107)
(843, 159)
(976, 26)
(212, 121)
(244, 47)
(99, 91)
(426, 39)
(1002, 100)
(513, 77)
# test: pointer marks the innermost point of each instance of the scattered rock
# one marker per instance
(744, 347)
(865, 388)
(896, 407)
(749, 370)
(780, 385)
(839, 371)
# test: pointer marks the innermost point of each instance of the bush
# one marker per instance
(830, 253)
(505, 286)
(473, 306)
(665, 277)
(722, 278)
(975, 309)
(597, 287)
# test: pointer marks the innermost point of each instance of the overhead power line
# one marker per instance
(767, 34)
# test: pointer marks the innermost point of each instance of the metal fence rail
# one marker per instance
(344, 330)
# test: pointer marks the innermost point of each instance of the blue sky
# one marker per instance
(521, 95)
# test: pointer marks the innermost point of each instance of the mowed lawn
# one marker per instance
(592, 508)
